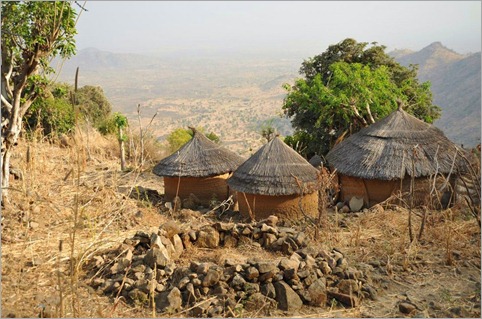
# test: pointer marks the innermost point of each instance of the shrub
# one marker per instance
(181, 136)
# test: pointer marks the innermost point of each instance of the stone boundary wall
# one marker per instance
(144, 268)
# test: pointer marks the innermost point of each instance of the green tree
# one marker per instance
(348, 87)
(267, 130)
(33, 32)
(93, 104)
(120, 122)
(52, 112)
(181, 136)
(213, 137)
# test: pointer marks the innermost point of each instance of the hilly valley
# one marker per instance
(456, 83)
(233, 95)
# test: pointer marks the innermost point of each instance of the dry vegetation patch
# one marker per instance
(74, 202)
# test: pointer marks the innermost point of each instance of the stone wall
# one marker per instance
(144, 268)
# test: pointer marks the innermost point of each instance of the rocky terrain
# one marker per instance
(144, 267)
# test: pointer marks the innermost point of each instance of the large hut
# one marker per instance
(381, 159)
(273, 181)
(200, 167)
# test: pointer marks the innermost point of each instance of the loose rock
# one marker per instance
(169, 301)
(208, 237)
(286, 297)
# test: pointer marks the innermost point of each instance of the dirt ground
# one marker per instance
(73, 201)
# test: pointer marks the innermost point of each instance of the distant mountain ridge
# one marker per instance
(456, 88)
(91, 59)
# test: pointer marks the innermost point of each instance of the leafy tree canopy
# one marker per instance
(181, 136)
(346, 88)
(54, 112)
(51, 112)
(33, 32)
(93, 104)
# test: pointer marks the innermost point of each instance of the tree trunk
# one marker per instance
(141, 160)
(10, 135)
(122, 150)
(5, 174)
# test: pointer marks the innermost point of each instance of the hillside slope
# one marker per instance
(456, 87)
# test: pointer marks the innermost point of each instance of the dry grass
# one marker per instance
(85, 179)
(60, 183)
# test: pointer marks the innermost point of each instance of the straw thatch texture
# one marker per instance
(271, 169)
(384, 150)
(200, 157)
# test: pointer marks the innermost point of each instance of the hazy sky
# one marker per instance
(304, 27)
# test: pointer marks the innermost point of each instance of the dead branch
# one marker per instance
(436, 170)
(251, 214)
(6, 104)
(224, 205)
(451, 169)
(370, 117)
(357, 114)
(412, 192)
(300, 202)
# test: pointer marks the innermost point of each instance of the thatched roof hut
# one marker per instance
(385, 150)
(268, 182)
(200, 157)
(200, 167)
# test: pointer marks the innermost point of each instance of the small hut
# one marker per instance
(380, 160)
(200, 167)
(269, 183)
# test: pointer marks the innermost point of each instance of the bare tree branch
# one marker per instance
(370, 117)
(451, 169)
(5, 122)
(7, 104)
(7, 77)
(300, 202)
(357, 114)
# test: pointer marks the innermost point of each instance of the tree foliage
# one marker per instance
(93, 104)
(181, 136)
(54, 111)
(33, 32)
(267, 130)
(348, 87)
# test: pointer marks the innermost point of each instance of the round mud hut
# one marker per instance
(200, 167)
(273, 181)
(380, 160)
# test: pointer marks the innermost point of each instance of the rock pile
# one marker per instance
(143, 270)
(263, 234)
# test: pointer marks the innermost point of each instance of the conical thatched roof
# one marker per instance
(200, 157)
(271, 169)
(384, 150)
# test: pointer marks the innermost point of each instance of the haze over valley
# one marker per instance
(234, 94)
